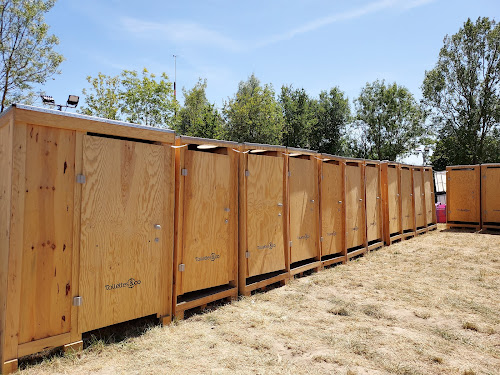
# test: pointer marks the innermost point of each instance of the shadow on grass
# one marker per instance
(98, 338)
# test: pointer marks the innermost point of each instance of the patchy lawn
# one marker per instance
(430, 305)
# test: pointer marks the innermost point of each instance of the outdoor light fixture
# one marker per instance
(48, 100)
(72, 102)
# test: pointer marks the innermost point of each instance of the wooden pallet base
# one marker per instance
(376, 245)
(421, 231)
(491, 227)
(475, 226)
(9, 367)
(230, 294)
(394, 238)
(314, 266)
(355, 253)
(431, 227)
(408, 235)
(335, 260)
(246, 290)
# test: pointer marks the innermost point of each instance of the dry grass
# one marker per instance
(425, 306)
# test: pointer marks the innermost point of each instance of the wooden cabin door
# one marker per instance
(265, 215)
(429, 196)
(304, 209)
(355, 206)
(121, 231)
(208, 249)
(332, 204)
(373, 203)
(407, 212)
(393, 188)
(419, 198)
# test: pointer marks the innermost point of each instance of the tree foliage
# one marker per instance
(463, 91)
(390, 122)
(299, 116)
(26, 48)
(198, 117)
(131, 97)
(103, 98)
(332, 114)
(253, 114)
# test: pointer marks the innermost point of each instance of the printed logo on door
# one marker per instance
(270, 245)
(210, 257)
(130, 283)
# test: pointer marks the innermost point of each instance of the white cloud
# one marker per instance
(178, 32)
(343, 16)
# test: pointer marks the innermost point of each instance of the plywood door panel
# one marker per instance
(393, 200)
(5, 204)
(429, 196)
(304, 209)
(406, 199)
(491, 197)
(354, 206)
(120, 251)
(265, 215)
(463, 187)
(48, 233)
(208, 251)
(373, 205)
(419, 202)
(332, 208)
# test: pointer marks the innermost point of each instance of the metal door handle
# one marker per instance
(157, 226)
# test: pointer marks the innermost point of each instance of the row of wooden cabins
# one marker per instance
(103, 222)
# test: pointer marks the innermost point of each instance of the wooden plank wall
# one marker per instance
(463, 194)
(490, 198)
(332, 207)
(6, 134)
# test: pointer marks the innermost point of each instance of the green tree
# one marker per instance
(463, 92)
(198, 117)
(393, 122)
(26, 48)
(147, 101)
(299, 116)
(103, 97)
(332, 114)
(253, 114)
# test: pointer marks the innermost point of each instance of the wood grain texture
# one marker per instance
(304, 208)
(407, 208)
(16, 242)
(355, 205)
(394, 200)
(419, 197)
(265, 214)
(490, 182)
(332, 208)
(373, 202)
(463, 194)
(48, 233)
(60, 121)
(120, 259)
(5, 204)
(430, 208)
(208, 251)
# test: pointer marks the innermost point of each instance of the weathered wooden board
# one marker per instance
(430, 208)
(407, 207)
(208, 251)
(463, 194)
(490, 182)
(304, 208)
(355, 205)
(265, 215)
(419, 197)
(6, 131)
(48, 233)
(123, 200)
(332, 207)
(373, 202)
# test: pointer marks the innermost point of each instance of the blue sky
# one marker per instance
(312, 44)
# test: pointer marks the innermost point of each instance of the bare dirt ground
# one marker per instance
(430, 305)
